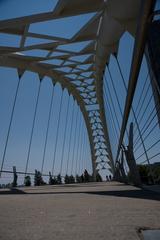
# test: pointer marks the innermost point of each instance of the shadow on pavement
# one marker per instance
(135, 193)
(11, 191)
(140, 194)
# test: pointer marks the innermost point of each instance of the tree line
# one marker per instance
(53, 180)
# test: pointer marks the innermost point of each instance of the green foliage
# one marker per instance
(82, 178)
(52, 180)
(72, 179)
(27, 181)
(157, 175)
(69, 179)
(144, 173)
(59, 179)
(150, 173)
(38, 180)
(79, 179)
(55, 181)
(98, 177)
(86, 176)
(66, 179)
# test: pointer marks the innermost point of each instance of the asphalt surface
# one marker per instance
(110, 211)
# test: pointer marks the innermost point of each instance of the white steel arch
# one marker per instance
(85, 79)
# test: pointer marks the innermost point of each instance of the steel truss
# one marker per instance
(111, 19)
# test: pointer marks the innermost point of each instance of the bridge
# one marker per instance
(79, 100)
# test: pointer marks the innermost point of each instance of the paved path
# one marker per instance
(110, 211)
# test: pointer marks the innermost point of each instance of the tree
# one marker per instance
(66, 179)
(150, 174)
(86, 176)
(55, 181)
(82, 178)
(157, 174)
(59, 179)
(71, 179)
(98, 177)
(78, 179)
(51, 180)
(38, 180)
(144, 173)
(27, 181)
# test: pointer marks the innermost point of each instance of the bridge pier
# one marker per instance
(134, 173)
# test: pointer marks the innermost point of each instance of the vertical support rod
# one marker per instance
(33, 125)
(74, 143)
(78, 145)
(48, 123)
(64, 138)
(56, 140)
(70, 136)
(10, 124)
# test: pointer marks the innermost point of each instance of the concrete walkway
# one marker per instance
(110, 211)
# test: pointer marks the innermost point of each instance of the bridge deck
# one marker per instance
(85, 211)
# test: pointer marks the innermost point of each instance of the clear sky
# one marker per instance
(19, 138)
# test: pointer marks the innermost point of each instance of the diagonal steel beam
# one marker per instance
(139, 47)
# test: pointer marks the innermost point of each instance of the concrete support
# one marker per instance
(94, 170)
(134, 173)
(120, 174)
(121, 166)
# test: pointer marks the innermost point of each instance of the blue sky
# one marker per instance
(22, 122)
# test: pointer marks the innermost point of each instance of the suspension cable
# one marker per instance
(112, 82)
(70, 136)
(10, 124)
(145, 96)
(134, 115)
(78, 144)
(113, 122)
(110, 96)
(78, 141)
(86, 153)
(152, 129)
(111, 117)
(153, 145)
(33, 125)
(147, 105)
(114, 88)
(47, 131)
(57, 132)
(64, 138)
(124, 83)
(74, 141)
(140, 96)
(146, 126)
(150, 115)
(85, 150)
(81, 151)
